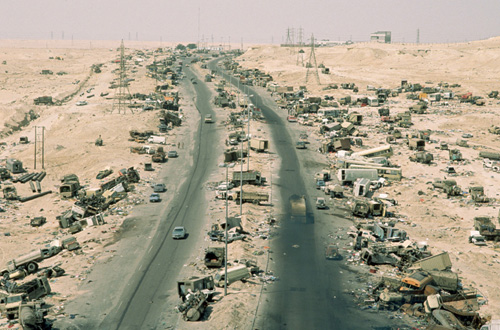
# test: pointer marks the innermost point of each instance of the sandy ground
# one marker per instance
(70, 132)
(444, 223)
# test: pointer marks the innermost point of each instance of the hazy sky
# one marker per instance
(253, 21)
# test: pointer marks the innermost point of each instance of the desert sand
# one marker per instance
(70, 133)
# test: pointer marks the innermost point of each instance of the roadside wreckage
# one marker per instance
(91, 203)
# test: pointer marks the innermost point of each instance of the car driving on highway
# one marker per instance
(179, 232)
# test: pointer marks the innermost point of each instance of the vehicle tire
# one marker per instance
(32, 267)
(193, 314)
(237, 201)
(230, 198)
(255, 202)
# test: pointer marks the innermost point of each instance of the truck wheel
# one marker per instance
(32, 267)
(255, 202)
(230, 198)
(237, 201)
(193, 314)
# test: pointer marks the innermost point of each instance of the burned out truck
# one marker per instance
(364, 208)
(486, 228)
(250, 197)
(248, 177)
(20, 301)
(214, 257)
(195, 293)
(29, 262)
(70, 186)
(422, 157)
(477, 194)
(449, 187)
(34, 289)
(196, 283)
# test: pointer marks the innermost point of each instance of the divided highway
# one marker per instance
(309, 293)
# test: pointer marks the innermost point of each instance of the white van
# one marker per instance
(234, 274)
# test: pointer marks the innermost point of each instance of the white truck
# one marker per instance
(349, 175)
(476, 238)
(157, 139)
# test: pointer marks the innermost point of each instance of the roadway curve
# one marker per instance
(309, 293)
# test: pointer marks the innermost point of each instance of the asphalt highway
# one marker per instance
(136, 289)
(310, 291)
(145, 300)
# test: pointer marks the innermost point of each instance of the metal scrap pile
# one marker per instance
(193, 307)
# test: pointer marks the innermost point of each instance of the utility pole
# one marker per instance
(227, 166)
(418, 36)
(241, 181)
(39, 145)
(248, 134)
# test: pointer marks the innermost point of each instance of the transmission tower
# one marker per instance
(288, 41)
(311, 62)
(300, 53)
(122, 96)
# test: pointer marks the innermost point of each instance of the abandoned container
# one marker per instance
(14, 166)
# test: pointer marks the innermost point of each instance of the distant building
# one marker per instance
(331, 43)
(381, 36)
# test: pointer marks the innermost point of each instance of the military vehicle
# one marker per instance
(28, 262)
(259, 145)
(477, 194)
(490, 155)
(416, 144)
(422, 157)
(10, 193)
(494, 129)
(486, 228)
(70, 186)
(204, 284)
(455, 154)
(44, 100)
(214, 257)
(248, 177)
(251, 197)
(449, 187)
(38, 221)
